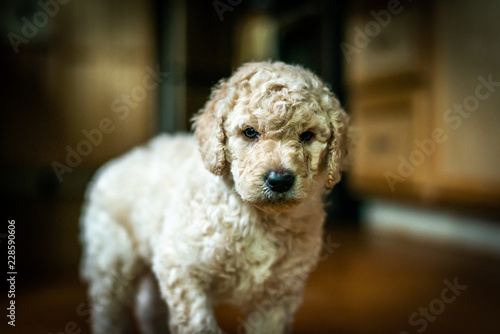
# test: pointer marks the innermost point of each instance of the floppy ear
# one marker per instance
(339, 142)
(209, 130)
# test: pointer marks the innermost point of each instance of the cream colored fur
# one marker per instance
(195, 218)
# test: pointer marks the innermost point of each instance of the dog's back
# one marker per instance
(131, 191)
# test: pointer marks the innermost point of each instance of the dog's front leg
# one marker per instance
(190, 307)
(272, 316)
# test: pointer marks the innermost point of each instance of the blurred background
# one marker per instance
(415, 223)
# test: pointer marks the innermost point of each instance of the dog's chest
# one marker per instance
(249, 267)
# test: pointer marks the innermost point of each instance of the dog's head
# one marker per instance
(277, 130)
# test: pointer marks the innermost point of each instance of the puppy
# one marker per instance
(227, 215)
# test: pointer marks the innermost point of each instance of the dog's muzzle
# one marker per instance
(279, 181)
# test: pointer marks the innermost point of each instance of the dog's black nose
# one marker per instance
(280, 182)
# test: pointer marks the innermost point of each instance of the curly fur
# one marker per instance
(201, 225)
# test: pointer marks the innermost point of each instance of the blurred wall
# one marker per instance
(80, 84)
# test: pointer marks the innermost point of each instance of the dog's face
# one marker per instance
(277, 130)
(276, 146)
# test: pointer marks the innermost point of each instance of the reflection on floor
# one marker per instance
(368, 283)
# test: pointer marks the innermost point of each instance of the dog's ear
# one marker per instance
(209, 129)
(338, 146)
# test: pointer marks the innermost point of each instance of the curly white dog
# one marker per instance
(226, 216)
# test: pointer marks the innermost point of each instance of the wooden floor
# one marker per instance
(368, 283)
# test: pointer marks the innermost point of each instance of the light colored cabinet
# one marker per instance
(424, 93)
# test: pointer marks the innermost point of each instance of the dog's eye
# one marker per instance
(250, 133)
(306, 137)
